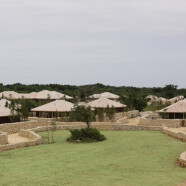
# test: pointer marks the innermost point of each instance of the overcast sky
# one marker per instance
(121, 42)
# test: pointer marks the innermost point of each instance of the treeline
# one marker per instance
(168, 91)
(133, 97)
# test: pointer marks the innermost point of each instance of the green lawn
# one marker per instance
(125, 158)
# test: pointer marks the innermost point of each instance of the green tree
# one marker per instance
(100, 113)
(53, 129)
(110, 112)
(134, 101)
(14, 115)
(83, 114)
(170, 91)
(24, 107)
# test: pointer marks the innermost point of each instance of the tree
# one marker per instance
(13, 111)
(134, 101)
(53, 129)
(110, 112)
(170, 90)
(24, 107)
(63, 116)
(83, 114)
(23, 110)
(48, 98)
(100, 113)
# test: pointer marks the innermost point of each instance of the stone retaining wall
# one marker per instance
(106, 127)
(3, 138)
(173, 123)
(12, 128)
(41, 121)
(181, 136)
(175, 134)
(35, 139)
(29, 134)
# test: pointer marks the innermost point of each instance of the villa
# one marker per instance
(107, 95)
(53, 109)
(175, 111)
(37, 96)
(103, 103)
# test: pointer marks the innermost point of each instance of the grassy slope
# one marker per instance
(126, 158)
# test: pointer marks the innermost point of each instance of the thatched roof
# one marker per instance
(104, 103)
(58, 105)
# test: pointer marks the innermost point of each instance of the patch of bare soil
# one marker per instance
(15, 138)
(182, 184)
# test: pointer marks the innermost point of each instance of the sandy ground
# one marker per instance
(15, 138)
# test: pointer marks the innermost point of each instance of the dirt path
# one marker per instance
(15, 138)
(133, 121)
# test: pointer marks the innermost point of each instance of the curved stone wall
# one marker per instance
(3, 138)
(34, 138)
(181, 136)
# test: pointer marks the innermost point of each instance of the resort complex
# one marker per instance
(92, 93)
(45, 117)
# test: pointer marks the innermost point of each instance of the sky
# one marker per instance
(122, 42)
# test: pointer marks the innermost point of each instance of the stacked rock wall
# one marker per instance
(3, 138)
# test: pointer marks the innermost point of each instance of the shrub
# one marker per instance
(86, 135)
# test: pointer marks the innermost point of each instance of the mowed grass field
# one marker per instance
(125, 158)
